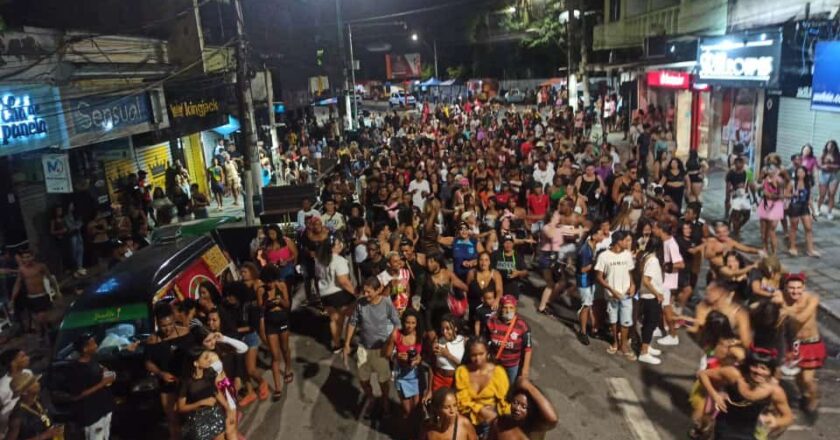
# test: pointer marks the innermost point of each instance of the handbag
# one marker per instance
(457, 306)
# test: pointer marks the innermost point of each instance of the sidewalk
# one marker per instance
(823, 273)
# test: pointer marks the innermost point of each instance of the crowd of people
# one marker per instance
(421, 245)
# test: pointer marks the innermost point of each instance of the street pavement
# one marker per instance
(596, 395)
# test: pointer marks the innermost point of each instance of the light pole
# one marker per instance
(416, 38)
(352, 77)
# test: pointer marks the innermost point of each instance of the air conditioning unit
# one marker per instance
(656, 47)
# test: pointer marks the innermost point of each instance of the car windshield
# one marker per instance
(115, 329)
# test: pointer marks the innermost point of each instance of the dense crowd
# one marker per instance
(422, 242)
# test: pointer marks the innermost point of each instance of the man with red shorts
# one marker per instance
(807, 349)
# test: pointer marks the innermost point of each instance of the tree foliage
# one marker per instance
(541, 28)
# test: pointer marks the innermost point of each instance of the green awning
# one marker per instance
(201, 227)
(90, 318)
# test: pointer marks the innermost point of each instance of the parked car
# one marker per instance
(117, 310)
(401, 99)
(515, 96)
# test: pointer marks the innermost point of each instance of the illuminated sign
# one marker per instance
(192, 111)
(104, 114)
(30, 119)
(825, 93)
(671, 80)
(20, 119)
(747, 59)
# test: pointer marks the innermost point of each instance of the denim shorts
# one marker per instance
(620, 311)
(252, 340)
(587, 295)
(829, 177)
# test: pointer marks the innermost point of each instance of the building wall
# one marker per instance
(746, 14)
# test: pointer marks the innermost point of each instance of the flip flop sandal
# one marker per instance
(288, 377)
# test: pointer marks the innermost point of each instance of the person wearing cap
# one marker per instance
(89, 384)
(806, 350)
(613, 272)
(509, 338)
(13, 361)
(29, 419)
(511, 265)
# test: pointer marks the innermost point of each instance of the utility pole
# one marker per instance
(344, 96)
(253, 178)
(434, 46)
(272, 123)
(353, 77)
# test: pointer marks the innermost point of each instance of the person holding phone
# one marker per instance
(90, 385)
(408, 355)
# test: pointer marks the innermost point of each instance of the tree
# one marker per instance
(427, 71)
(458, 72)
(540, 28)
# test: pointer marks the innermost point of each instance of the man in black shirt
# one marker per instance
(90, 383)
(737, 202)
(643, 151)
(511, 265)
(375, 263)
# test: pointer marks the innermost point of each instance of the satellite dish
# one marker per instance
(378, 47)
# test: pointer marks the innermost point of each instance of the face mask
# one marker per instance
(216, 366)
(507, 316)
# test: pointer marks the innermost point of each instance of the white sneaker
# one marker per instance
(649, 359)
(654, 352)
(824, 209)
(669, 341)
(657, 333)
(830, 216)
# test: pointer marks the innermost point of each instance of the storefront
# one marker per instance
(670, 91)
(739, 68)
(100, 129)
(809, 108)
(193, 113)
(30, 124)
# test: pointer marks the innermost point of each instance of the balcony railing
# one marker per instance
(706, 16)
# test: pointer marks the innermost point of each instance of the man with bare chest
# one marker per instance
(806, 349)
(721, 243)
(31, 275)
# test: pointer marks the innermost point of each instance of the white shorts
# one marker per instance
(620, 311)
(666, 297)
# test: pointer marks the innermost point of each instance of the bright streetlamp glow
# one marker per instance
(414, 37)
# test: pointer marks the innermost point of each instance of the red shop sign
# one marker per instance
(668, 79)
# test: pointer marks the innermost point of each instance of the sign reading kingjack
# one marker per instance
(825, 93)
(740, 60)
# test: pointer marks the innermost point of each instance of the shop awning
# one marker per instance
(231, 127)
(431, 82)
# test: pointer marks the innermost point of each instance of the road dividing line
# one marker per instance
(829, 410)
(635, 416)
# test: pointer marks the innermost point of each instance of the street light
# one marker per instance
(415, 38)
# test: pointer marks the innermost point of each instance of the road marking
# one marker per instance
(798, 428)
(829, 410)
(626, 399)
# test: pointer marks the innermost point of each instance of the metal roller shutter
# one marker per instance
(796, 127)
(155, 160)
(827, 127)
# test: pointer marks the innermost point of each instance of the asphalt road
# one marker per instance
(597, 395)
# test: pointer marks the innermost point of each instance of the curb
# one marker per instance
(829, 323)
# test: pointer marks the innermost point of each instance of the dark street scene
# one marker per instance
(419, 219)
